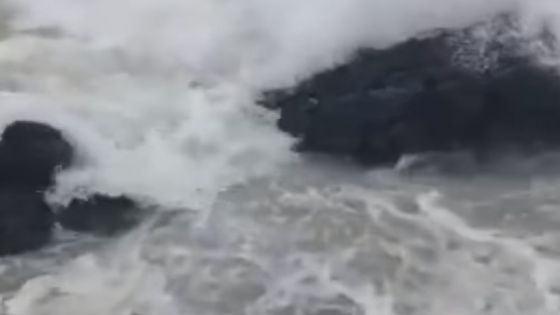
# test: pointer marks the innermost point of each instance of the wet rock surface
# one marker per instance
(30, 155)
(26, 221)
(446, 92)
(99, 214)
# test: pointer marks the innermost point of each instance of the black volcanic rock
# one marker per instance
(26, 221)
(100, 214)
(524, 106)
(428, 94)
(30, 154)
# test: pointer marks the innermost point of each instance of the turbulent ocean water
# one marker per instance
(159, 98)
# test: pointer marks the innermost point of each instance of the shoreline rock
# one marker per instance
(26, 222)
(30, 155)
(100, 214)
(426, 95)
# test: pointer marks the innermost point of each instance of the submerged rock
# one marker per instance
(425, 95)
(100, 214)
(26, 221)
(31, 153)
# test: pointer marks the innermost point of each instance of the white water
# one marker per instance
(158, 96)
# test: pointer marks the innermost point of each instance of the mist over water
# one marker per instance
(158, 96)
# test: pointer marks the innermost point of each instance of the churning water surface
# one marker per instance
(159, 97)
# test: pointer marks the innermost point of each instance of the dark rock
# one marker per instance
(524, 106)
(100, 214)
(428, 94)
(30, 154)
(25, 221)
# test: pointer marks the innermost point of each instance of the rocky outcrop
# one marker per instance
(100, 214)
(26, 221)
(446, 92)
(30, 155)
